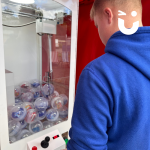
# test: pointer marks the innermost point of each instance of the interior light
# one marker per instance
(23, 1)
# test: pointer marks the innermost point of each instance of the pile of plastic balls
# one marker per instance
(36, 108)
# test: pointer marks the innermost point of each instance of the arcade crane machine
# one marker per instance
(37, 72)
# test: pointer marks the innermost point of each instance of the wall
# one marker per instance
(89, 44)
(20, 49)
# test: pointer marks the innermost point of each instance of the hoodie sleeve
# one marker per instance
(91, 115)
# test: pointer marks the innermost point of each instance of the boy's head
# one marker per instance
(105, 15)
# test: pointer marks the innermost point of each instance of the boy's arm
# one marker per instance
(92, 114)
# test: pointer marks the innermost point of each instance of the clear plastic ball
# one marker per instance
(18, 101)
(31, 116)
(35, 92)
(41, 114)
(36, 127)
(65, 98)
(9, 111)
(40, 90)
(55, 94)
(57, 102)
(27, 97)
(23, 124)
(49, 104)
(35, 83)
(47, 90)
(18, 113)
(63, 112)
(47, 124)
(25, 86)
(18, 104)
(9, 118)
(27, 126)
(59, 120)
(17, 91)
(52, 114)
(23, 134)
(12, 139)
(14, 127)
(28, 105)
(41, 104)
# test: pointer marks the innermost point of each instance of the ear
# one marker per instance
(108, 14)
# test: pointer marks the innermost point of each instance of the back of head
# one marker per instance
(124, 4)
(105, 15)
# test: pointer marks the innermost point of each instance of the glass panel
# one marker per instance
(37, 44)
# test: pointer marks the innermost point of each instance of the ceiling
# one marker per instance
(48, 7)
(43, 4)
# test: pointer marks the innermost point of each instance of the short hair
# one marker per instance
(97, 5)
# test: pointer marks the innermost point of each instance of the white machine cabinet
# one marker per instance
(38, 42)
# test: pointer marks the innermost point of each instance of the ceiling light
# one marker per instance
(23, 1)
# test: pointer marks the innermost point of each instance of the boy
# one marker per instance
(112, 105)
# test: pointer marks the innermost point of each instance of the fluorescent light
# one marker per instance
(23, 1)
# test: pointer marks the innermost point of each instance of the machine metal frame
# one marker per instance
(62, 127)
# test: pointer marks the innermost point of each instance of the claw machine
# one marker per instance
(38, 41)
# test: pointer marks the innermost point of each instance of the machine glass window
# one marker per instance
(37, 47)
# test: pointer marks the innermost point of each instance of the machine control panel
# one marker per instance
(50, 141)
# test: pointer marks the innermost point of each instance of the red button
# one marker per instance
(34, 148)
(55, 137)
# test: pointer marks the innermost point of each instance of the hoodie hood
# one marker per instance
(134, 49)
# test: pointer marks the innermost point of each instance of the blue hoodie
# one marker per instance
(112, 104)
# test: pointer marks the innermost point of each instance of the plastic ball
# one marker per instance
(27, 97)
(9, 111)
(35, 92)
(65, 98)
(49, 104)
(63, 112)
(17, 91)
(47, 124)
(47, 90)
(27, 126)
(12, 139)
(28, 105)
(59, 120)
(23, 124)
(14, 127)
(36, 127)
(55, 94)
(41, 104)
(57, 102)
(18, 113)
(31, 116)
(35, 83)
(25, 86)
(41, 114)
(23, 134)
(52, 114)
(18, 101)
(9, 118)
(18, 104)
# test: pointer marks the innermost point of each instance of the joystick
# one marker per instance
(47, 139)
(44, 143)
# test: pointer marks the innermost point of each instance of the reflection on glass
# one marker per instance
(37, 46)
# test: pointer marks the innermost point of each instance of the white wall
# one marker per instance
(20, 49)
